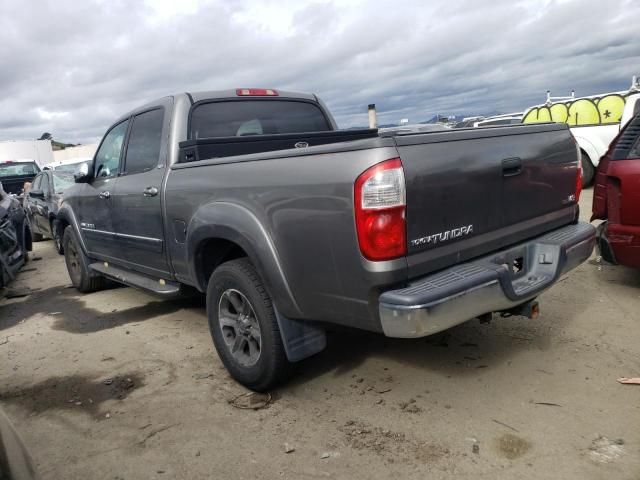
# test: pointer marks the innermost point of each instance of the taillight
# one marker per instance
(380, 205)
(579, 172)
(579, 181)
(256, 92)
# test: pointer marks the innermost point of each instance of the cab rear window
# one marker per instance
(10, 169)
(241, 118)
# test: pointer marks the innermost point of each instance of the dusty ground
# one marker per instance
(119, 385)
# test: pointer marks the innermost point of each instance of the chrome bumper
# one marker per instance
(500, 281)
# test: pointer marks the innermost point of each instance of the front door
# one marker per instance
(137, 200)
(43, 204)
(94, 204)
(31, 204)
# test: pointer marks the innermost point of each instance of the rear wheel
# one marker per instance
(588, 170)
(77, 262)
(244, 328)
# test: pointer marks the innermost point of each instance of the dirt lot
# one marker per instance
(120, 385)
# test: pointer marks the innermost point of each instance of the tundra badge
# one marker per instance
(443, 236)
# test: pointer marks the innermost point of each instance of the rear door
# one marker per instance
(137, 199)
(470, 192)
(93, 203)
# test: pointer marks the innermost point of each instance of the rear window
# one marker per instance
(241, 118)
(16, 169)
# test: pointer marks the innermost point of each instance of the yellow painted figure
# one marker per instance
(584, 111)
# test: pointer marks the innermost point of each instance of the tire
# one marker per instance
(588, 170)
(77, 262)
(237, 284)
(57, 238)
(25, 241)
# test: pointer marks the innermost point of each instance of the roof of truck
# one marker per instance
(221, 94)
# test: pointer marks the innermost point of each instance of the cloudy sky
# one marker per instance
(72, 67)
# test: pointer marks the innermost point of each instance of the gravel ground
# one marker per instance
(120, 385)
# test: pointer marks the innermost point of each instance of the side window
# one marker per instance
(108, 156)
(145, 139)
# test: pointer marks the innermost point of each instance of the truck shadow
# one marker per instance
(72, 314)
(468, 349)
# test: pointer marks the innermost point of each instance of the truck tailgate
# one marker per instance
(473, 191)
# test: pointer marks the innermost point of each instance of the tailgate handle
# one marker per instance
(511, 167)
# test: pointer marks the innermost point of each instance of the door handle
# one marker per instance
(150, 192)
(511, 167)
(105, 194)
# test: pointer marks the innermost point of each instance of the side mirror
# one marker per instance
(83, 173)
(36, 193)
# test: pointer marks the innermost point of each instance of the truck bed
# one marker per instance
(208, 148)
(304, 197)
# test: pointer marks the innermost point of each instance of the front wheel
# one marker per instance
(244, 327)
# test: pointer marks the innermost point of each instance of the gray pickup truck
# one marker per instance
(253, 197)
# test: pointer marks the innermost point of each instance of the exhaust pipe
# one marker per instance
(373, 120)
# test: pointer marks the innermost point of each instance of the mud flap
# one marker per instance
(301, 339)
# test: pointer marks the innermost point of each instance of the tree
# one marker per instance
(46, 136)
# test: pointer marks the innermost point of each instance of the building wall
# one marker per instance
(81, 151)
(38, 150)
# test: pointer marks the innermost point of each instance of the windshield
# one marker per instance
(17, 169)
(241, 118)
(62, 181)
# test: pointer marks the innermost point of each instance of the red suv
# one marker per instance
(616, 197)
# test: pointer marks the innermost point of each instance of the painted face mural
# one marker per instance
(583, 111)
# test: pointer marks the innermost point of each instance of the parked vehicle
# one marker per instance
(15, 237)
(414, 128)
(42, 203)
(616, 197)
(288, 224)
(15, 173)
(500, 120)
(69, 165)
(468, 122)
(595, 121)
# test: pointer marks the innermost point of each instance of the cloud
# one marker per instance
(71, 68)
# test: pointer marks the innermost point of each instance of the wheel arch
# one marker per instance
(222, 231)
(66, 218)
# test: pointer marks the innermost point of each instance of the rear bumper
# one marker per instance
(500, 281)
(619, 244)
